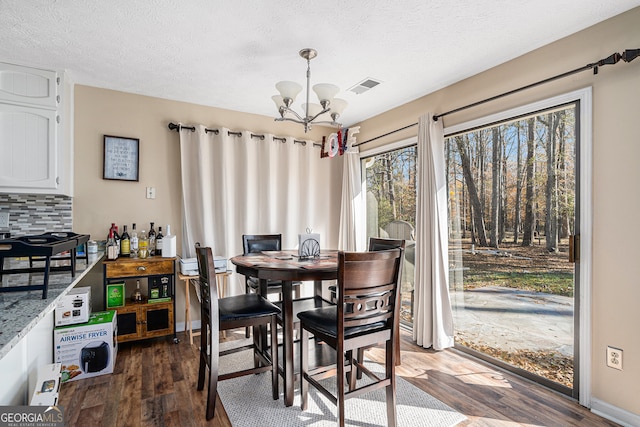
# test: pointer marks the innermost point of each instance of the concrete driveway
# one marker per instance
(512, 319)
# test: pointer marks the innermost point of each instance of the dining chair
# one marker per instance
(221, 314)
(368, 305)
(254, 244)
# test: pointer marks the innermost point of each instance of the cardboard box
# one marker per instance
(74, 307)
(47, 386)
(89, 349)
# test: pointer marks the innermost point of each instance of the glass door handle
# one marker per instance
(574, 248)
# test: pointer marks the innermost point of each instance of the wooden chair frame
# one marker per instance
(369, 299)
(212, 325)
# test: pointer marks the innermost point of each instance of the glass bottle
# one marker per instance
(113, 233)
(134, 241)
(152, 241)
(117, 238)
(159, 238)
(143, 245)
(112, 248)
(137, 296)
(125, 243)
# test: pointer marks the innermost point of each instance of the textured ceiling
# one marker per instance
(229, 54)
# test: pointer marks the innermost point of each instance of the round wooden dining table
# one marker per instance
(287, 267)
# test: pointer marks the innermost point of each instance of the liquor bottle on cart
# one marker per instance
(134, 241)
(152, 241)
(125, 243)
(143, 245)
(159, 242)
(112, 247)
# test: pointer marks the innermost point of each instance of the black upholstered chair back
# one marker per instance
(256, 243)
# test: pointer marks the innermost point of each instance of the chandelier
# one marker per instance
(327, 111)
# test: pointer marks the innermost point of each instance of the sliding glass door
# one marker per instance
(512, 220)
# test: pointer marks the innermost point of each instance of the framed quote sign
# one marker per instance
(121, 158)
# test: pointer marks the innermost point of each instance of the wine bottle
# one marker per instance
(109, 233)
(116, 236)
(125, 243)
(152, 241)
(159, 238)
(143, 245)
(134, 241)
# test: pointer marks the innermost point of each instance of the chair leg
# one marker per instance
(340, 377)
(390, 368)
(361, 360)
(213, 379)
(351, 375)
(212, 393)
(274, 358)
(247, 330)
(304, 367)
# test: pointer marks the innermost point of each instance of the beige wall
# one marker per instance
(97, 202)
(616, 175)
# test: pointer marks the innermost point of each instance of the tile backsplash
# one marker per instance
(36, 213)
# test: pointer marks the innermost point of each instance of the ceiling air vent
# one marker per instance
(364, 85)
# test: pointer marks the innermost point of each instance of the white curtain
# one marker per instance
(352, 223)
(234, 185)
(433, 318)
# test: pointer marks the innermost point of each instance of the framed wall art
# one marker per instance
(121, 158)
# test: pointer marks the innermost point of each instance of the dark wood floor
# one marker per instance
(154, 384)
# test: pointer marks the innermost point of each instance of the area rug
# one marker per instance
(248, 403)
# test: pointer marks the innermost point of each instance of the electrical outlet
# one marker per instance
(4, 219)
(614, 358)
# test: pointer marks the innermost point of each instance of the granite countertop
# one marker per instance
(21, 311)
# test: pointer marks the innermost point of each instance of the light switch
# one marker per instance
(151, 192)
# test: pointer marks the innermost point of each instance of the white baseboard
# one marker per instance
(615, 414)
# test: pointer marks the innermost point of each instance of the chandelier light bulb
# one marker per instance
(325, 91)
(327, 112)
(337, 106)
(288, 90)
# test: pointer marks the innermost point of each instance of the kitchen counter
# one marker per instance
(21, 311)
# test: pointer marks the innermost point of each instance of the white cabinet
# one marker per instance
(28, 85)
(36, 136)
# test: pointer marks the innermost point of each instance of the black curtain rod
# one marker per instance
(386, 134)
(627, 56)
(178, 128)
